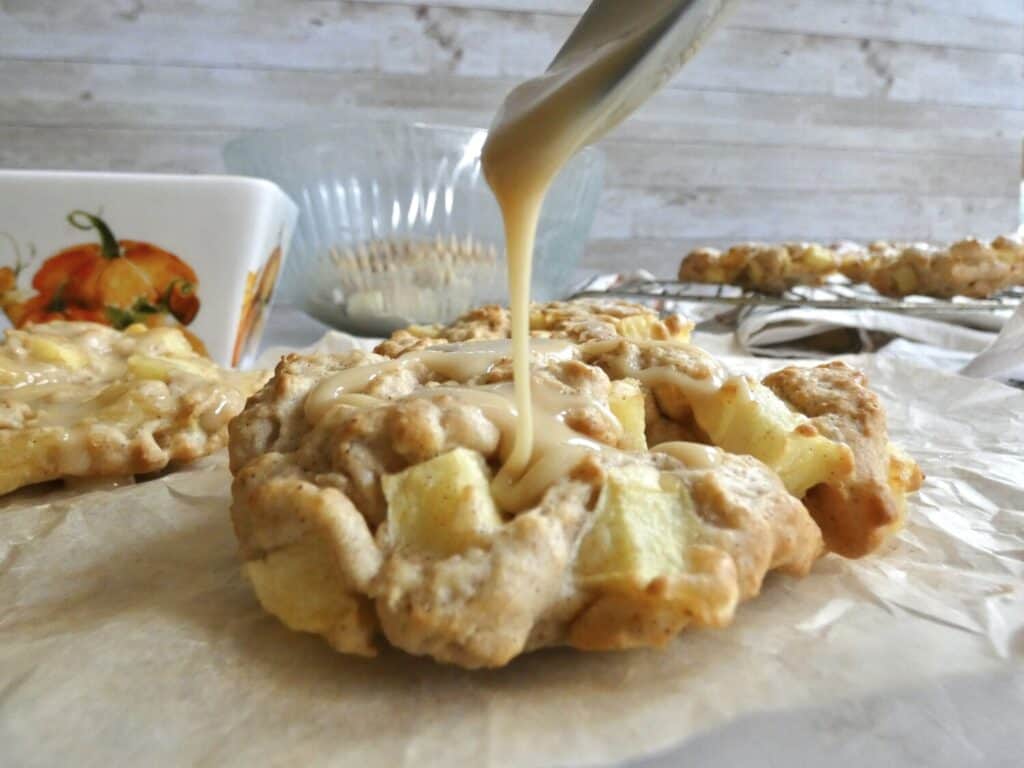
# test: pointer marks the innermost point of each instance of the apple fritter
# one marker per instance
(373, 499)
(369, 501)
(84, 400)
(969, 267)
(761, 267)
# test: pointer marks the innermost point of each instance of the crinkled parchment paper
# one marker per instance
(128, 636)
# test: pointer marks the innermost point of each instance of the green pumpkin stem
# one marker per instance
(108, 243)
(57, 303)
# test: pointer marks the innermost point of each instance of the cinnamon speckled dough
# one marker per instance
(579, 321)
(857, 513)
(84, 400)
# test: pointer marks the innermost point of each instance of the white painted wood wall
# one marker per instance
(820, 119)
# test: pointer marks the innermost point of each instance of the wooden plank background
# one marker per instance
(824, 119)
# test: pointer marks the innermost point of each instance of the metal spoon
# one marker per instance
(619, 54)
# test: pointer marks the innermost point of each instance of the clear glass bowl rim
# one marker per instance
(260, 136)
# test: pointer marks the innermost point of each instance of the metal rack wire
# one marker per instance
(832, 295)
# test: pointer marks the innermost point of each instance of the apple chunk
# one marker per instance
(745, 416)
(626, 402)
(51, 351)
(442, 506)
(302, 585)
(644, 523)
(164, 368)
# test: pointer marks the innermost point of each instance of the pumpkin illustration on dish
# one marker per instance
(110, 281)
(259, 290)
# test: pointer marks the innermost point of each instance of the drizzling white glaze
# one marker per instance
(449, 362)
(540, 126)
(693, 455)
(555, 448)
(70, 374)
(531, 139)
(592, 84)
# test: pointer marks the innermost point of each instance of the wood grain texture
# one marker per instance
(631, 164)
(816, 119)
(400, 39)
(125, 95)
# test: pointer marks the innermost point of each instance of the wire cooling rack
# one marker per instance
(832, 295)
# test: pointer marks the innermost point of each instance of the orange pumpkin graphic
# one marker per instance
(8, 280)
(42, 309)
(127, 275)
(116, 282)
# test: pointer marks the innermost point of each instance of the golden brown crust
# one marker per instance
(273, 418)
(855, 514)
(861, 504)
(267, 494)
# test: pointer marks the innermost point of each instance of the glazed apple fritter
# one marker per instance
(375, 513)
(80, 399)
(761, 267)
(370, 498)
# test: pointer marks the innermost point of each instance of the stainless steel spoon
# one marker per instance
(620, 53)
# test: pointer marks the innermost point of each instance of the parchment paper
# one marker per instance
(128, 636)
(1004, 358)
(775, 332)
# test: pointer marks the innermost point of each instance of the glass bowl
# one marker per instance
(398, 226)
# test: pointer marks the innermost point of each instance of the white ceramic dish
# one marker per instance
(201, 252)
